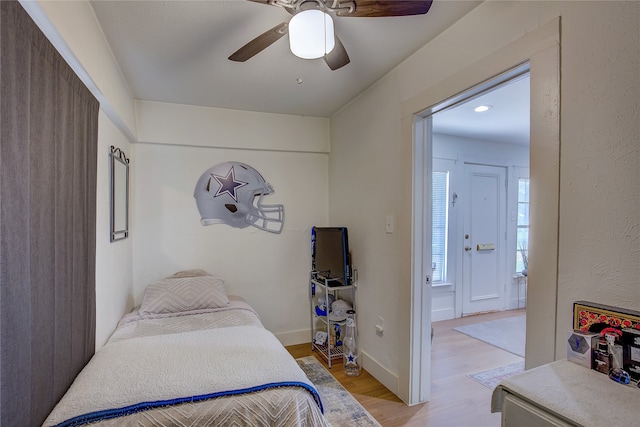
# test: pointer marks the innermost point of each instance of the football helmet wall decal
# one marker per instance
(231, 193)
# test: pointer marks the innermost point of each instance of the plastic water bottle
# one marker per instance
(350, 348)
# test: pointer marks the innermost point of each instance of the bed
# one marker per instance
(190, 355)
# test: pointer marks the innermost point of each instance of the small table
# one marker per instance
(563, 393)
(521, 282)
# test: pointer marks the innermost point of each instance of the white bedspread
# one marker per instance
(139, 373)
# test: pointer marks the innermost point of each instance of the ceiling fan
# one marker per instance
(337, 57)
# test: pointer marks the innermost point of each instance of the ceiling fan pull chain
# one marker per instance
(299, 79)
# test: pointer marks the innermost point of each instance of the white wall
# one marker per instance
(599, 248)
(270, 271)
(600, 184)
(114, 260)
(176, 124)
(479, 151)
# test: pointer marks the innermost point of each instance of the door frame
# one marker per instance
(422, 146)
(540, 50)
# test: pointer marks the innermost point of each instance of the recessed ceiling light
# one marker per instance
(482, 108)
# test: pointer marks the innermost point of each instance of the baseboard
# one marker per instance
(379, 372)
(443, 314)
(294, 337)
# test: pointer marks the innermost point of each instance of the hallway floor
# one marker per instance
(456, 399)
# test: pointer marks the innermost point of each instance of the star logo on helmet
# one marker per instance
(228, 184)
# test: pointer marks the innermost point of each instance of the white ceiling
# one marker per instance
(507, 121)
(176, 51)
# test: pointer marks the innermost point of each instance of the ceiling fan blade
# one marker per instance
(338, 57)
(374, 9)
(260, 43)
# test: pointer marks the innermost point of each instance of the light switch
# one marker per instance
(389, 223)
(380, 326)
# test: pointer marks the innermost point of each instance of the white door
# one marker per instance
(484, 239)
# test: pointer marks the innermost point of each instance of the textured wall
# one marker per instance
(599, 239)
(600, 185)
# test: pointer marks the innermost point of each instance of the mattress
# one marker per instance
(213, 367)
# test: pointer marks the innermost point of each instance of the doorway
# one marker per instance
(480, 279)
(541, 49)
(477, 161)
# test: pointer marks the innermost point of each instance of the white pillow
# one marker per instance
(184, 294)
(189, 273)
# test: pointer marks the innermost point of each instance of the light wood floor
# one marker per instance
(456, 399)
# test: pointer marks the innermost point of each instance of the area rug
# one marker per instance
(492, 377)
(507, 334)
(340, 407)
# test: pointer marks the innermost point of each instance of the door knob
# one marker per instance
(467, 248)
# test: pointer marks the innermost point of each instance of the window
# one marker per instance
(440, 226)
(522, 237)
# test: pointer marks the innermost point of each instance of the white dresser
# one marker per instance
(563, 393)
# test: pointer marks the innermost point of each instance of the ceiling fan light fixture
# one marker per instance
(311, 34)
